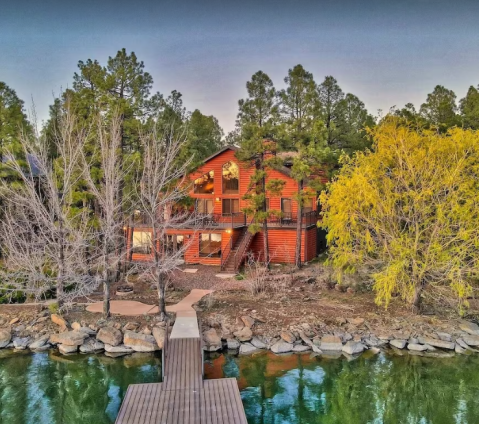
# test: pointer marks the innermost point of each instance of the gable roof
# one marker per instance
(224, 149)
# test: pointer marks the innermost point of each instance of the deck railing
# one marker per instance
(230, 220)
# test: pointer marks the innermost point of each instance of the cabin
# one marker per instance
(218, 235)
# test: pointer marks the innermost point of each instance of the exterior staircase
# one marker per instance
(236, 254)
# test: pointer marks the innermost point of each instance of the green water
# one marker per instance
(297, 389)
(43, 388)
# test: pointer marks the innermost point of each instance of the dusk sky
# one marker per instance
(387, 53)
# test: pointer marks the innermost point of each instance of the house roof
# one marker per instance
(224, 149)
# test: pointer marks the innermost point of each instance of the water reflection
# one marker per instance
(304, 389)
(46, 388)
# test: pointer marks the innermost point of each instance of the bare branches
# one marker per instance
(46, 238)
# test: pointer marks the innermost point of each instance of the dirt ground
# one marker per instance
(290, 298)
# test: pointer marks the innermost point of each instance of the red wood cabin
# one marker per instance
(220, 233)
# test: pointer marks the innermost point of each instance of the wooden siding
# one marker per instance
(282, 245)
(245, 170)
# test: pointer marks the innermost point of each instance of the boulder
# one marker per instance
(244, 335)
(87, 330)
(281, 347)
(329, 342)
(471, 340)
(159, 333)
(69, 338)
(233, 344)
(131, 326)
(246, 348)
(469, 327)
(212, 340)
(91, 346)
(287, 336)
(301, 348)
(38, 343)
(76, 325)
(437, 343)
(118, 349)
(417, 347)
(399, 344)
(247, 320)
(110, 336)
(140, 342)
(308, 342)
(58, 320)
(459, 349)
(5, 337)
(256, 342)
(21, 343)
(353, 348)
(66, 349)
(446, 337)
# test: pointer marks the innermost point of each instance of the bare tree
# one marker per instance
(109, 229)
(162, 186)
(45, 237)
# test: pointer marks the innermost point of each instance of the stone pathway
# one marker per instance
(133, 308)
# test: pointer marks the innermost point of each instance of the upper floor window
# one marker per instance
(205, 184)
(308, 205)
(142, 242)
(230, 206)
(204, 206)
(230, 178)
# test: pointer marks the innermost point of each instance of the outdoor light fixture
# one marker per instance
(228, 231)
(217, 199)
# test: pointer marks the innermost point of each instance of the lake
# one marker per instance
(296, 389)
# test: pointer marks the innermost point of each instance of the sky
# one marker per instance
(388, 53)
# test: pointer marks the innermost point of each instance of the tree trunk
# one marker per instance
(121, 187)
(265, 227)
(61, 268)
(299, 226)
(106, 296)
(416, 301)
(161, 296)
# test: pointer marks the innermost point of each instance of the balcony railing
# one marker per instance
(233, 220)
(291, 220)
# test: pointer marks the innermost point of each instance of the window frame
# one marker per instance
(223, 191)
(210, 177)
(210, 254)
(231, 202)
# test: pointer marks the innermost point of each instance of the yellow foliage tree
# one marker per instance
(409, 210)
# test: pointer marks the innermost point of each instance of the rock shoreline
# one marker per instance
(241, 338)
(115, 340)
(110, 338)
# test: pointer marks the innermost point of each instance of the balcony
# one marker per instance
(223, 221)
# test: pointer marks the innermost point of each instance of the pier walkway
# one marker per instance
(183, 397)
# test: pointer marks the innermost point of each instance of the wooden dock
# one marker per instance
(183, 397)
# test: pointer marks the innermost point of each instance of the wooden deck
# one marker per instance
(183, 397)
(217, 402)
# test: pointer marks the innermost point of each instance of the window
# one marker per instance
(210, 245)
(230, 206)
(204, 206)
(141, 242)
(205, 184)
(286, 208)
(308, 205)
(230, 178)
(174, 242)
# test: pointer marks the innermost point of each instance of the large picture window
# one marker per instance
(230, 206)
(230, 178)
(141, 242)
(205, 184)
(210, 245)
